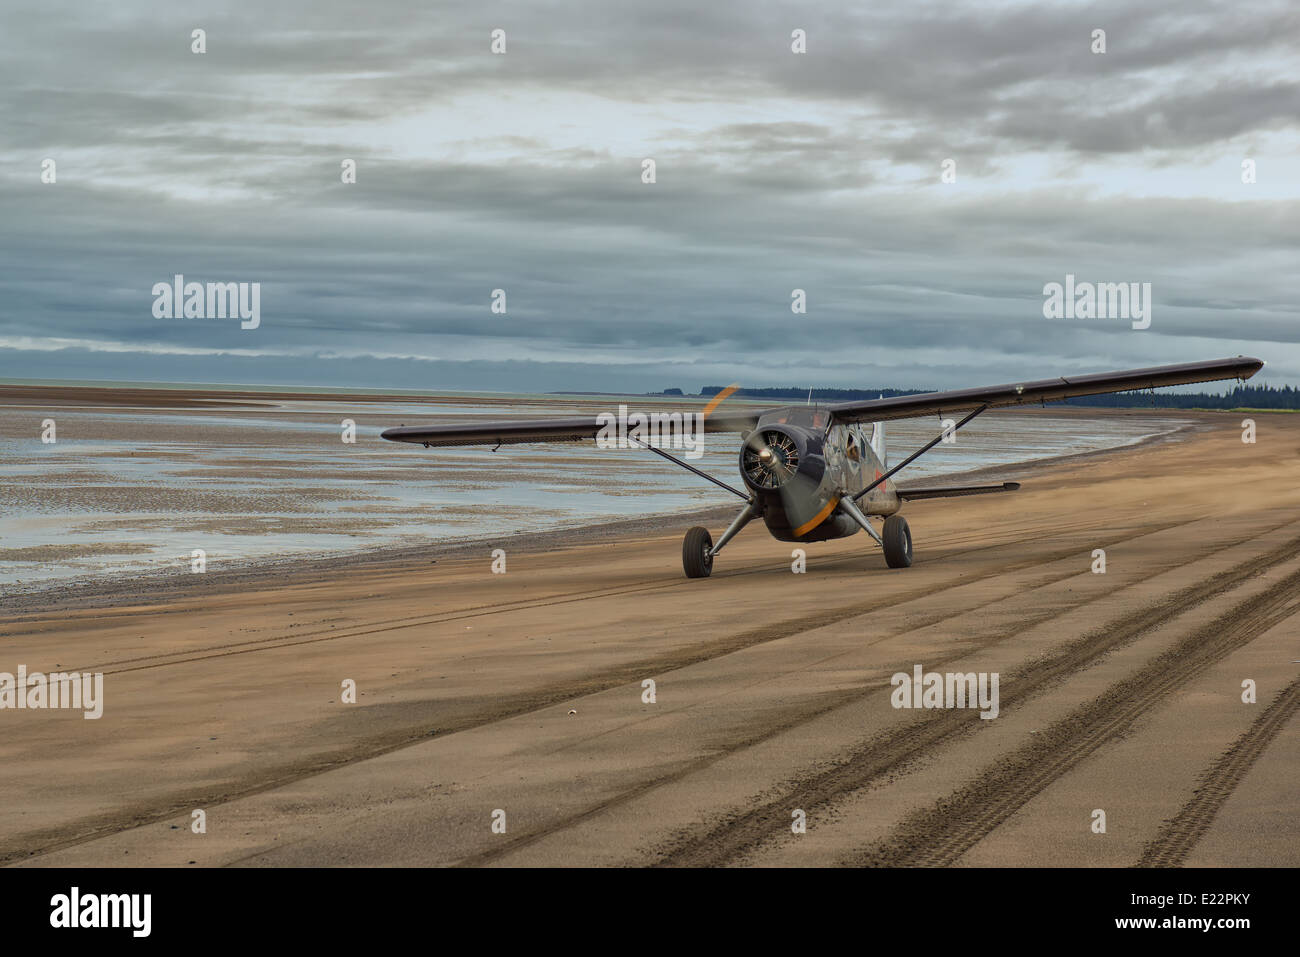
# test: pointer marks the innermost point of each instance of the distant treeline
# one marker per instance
(1241, 397)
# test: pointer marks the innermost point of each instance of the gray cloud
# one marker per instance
(775, 171)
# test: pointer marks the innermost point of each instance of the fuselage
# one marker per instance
(799, 465)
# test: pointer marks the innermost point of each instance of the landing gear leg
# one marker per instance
(895, 538)
(850, 508)
(698, 550)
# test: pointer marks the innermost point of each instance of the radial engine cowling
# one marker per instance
(769, 459)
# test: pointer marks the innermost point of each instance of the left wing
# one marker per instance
(1044, 390)
(496, 432)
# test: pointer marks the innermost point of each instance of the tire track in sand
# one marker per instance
(942, 833)
(1170, 847)
(786, 722)
(735, 835)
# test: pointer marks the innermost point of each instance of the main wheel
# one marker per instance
(696, 560)
(898, 542)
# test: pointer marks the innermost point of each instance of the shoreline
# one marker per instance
(115, 590)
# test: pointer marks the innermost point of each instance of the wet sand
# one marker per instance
(523, 692)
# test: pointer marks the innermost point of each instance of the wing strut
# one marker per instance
(690, 468)
(917, 454)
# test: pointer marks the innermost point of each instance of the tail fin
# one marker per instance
(878, 441)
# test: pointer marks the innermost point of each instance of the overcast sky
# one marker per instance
(775, 171)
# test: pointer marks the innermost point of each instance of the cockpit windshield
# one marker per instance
(808, 417)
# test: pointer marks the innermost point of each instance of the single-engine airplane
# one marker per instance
(813, 473)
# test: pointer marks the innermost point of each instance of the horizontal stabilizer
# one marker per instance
(912, 494)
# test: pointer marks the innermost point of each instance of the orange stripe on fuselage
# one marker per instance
(817, 519)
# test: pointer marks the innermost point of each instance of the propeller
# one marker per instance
(772, 460)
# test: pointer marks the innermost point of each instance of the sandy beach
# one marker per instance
(519, 699)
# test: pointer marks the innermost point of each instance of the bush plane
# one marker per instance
(814, 473)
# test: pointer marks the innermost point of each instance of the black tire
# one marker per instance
(696, 560)
(898, 542)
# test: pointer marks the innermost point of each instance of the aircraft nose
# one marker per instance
(769, 460)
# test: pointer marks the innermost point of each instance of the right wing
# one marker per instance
(513, 431)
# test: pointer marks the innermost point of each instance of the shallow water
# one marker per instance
(122, 491)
